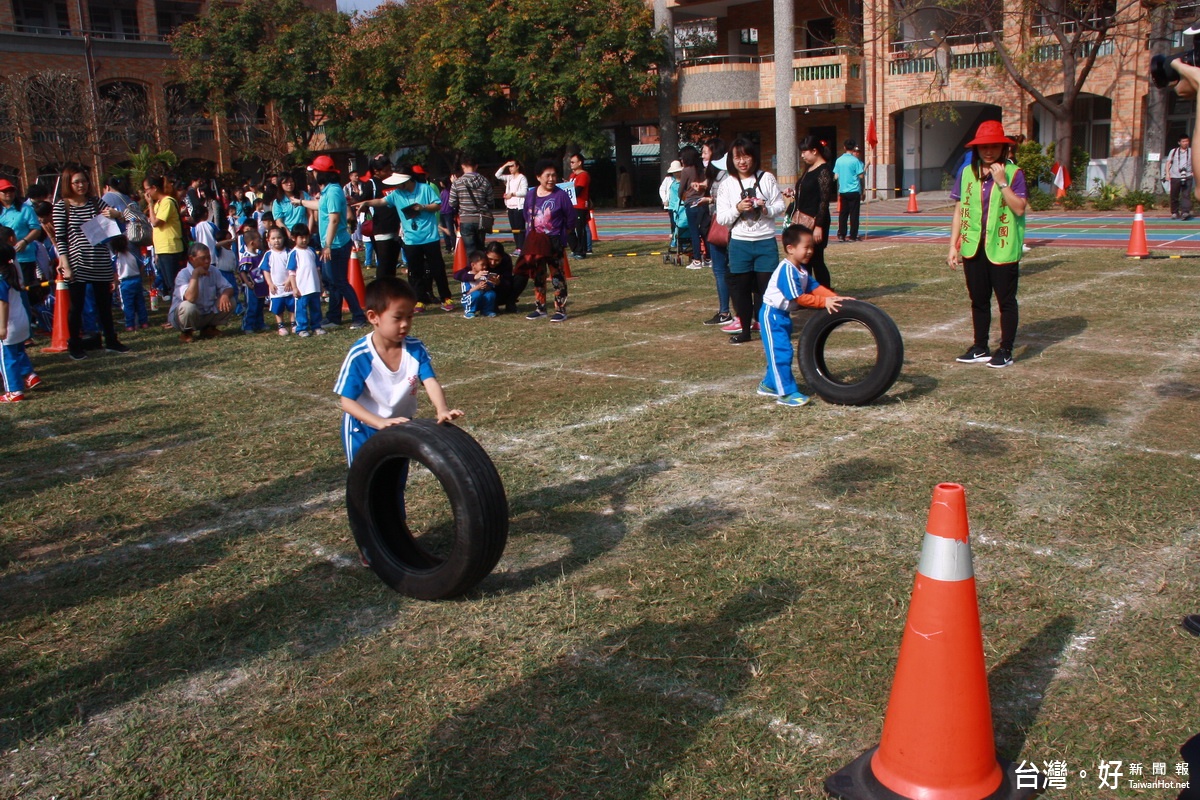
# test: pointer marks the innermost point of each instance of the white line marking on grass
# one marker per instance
(1107, 444)
(253, 518)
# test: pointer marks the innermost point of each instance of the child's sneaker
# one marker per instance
(559, 316)
(129, 329)
(794, 400)
(418, 308)
(319, 332)
(12, 397)
(32, 381)
(537, 313)
(767, 391)
(283, 331)
(448, 306)
(468, 315)
(733, 326)
(304, 334)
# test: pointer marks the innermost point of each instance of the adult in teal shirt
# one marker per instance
(418, 205)
(335, 237)
(285, 210)
(20, 219)
(848, 170)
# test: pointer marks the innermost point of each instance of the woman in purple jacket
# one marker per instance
(549, 215)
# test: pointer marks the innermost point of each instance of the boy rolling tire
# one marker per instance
(826, 383)
(477, 500)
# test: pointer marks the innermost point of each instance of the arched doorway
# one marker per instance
(931, 139)
(1090, 130)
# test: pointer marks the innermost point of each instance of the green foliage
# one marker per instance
(1107, 196)
(145, 162)
(1033, 162)
(1139, 197)
(1073, 200)
(474, 75)
(262, 51)
(1039, 200)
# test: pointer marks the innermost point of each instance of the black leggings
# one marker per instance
(983, 280)
(425, 266)
(387, 254)
(746, 291)
(516, 220)
(103, 297)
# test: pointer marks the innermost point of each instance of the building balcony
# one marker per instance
(69, 42)
(824, 77)
(719, 83)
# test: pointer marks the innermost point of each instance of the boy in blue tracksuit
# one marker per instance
(791, 286)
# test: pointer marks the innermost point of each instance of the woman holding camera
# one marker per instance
(814, 192)
(747, 203)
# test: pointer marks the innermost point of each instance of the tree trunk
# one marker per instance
(1063, 144)
(1155, 137)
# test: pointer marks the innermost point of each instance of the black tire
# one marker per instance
(477, 499)
(889, 350)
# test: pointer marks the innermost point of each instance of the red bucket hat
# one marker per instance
(990, 132)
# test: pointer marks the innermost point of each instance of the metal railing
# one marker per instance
(979, 59)
(79, 33)
(911, 66)
(914, 46)
(817, 72)
(725, 59)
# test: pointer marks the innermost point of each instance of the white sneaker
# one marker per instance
(696, 265)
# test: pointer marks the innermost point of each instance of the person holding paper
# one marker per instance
(84, 259)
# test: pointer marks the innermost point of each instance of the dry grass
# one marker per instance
(702, 594)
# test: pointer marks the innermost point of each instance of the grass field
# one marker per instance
(703, 592)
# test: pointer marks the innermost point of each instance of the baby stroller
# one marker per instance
(679, 250)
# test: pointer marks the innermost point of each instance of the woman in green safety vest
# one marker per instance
(986, 236)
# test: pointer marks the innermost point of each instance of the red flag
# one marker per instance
(872, 137)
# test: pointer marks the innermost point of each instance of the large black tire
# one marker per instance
(889, 354)
(477, 500)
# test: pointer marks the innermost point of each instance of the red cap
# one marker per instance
(418, 169)
(990, 132)
(5, 185)
(322, 164)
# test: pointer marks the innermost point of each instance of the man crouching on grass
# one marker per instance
(203, 298)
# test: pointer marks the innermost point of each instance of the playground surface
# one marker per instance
(887, 221)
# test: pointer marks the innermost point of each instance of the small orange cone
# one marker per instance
(912, 201)
(592, 227)
(460, 256)
(1137, 236)
(60, 333)
(938, 742)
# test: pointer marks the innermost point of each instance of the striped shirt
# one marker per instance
(88, 262)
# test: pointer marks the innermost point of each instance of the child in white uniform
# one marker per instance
(790, 287)
(15, 367)
(378, 380)
(279, 288)
(305, 275)
(129, 273)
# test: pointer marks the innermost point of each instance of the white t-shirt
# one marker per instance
(18, 320)
(305, 270)
(276, 263)
(204, 232)
(514, 185)
(365, 379)
(127, 265)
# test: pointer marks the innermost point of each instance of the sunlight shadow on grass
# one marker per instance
(1046, 333)
(1018, 684)
(604, 721)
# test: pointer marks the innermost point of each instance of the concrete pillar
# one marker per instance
(668, 126)
(785, 116)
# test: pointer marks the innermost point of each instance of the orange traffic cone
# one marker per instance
(938, 742)
(60, 333)
(592, 227)
(356, 278)
(460, 256)
(912, 201)
(1137, 236)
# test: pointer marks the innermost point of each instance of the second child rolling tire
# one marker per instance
(889, 352)
(477, 500)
